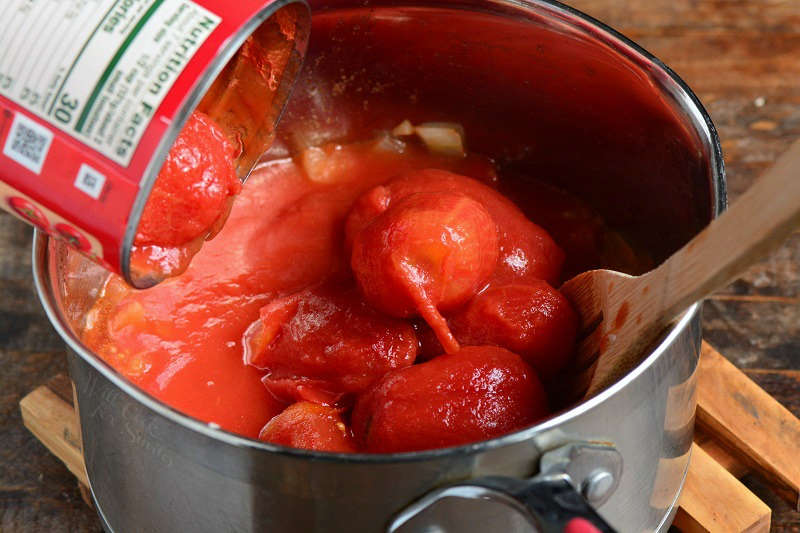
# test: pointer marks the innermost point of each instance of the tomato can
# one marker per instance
(93, 93)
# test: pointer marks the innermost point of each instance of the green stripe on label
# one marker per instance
(113, 64)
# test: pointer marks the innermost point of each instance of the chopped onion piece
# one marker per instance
(446, 139)
(388, 143)
(313, 161)
(403, 129)
(323, 164)
(327, 164)
(449, 125)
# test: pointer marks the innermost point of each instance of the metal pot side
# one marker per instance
(547, 90)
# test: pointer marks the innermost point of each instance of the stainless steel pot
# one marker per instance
(544, 90)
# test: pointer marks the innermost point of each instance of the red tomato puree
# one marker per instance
(189, 202)
(194, 191)
(399, 303)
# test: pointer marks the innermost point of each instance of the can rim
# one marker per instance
(191, 101)
(704, 126)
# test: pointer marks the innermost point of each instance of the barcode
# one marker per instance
(90, 181)
(28, 143)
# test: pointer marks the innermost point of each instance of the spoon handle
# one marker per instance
(760, 220)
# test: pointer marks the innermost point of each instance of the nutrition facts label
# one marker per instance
(98, 69)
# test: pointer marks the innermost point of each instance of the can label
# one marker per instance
(98, 71)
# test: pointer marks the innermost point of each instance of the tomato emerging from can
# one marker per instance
(87, 120)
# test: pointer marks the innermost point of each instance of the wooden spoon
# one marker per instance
(622, 315)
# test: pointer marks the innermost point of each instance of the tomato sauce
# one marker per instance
(190, 200)
(280, 273)
(181, 340)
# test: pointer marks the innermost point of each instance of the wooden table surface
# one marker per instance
(742, 58)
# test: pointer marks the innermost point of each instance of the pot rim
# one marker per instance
(689, 103)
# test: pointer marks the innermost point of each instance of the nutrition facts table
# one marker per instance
(98, 69)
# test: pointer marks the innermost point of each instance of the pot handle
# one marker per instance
(559, 499)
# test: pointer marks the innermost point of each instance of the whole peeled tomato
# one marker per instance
(192, 190)
(475, 394)
(527, 251)
(309, 426)
(324, 343)
(28, 210)
(73, 237)
(533, 320)
(427, 253)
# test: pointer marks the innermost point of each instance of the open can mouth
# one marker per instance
(632, 81)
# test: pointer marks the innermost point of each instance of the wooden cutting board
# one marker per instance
(740, 429)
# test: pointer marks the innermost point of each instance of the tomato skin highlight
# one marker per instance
(527, 251)
(443, 243)
(475, 394)
(426, 254)
(309, 426)
(533, 320)
(324, 343)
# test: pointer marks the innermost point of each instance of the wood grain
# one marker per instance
(708, 484)
(37, 492)
(53, 421)
(727, 458)
(755, 335)
(748, 420)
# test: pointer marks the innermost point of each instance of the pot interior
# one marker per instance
(542, 93)
(546, 94)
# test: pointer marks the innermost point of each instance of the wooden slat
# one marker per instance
(61, 385)
(742, 416)
(713, 500)
(53, 421)
(725, 457)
